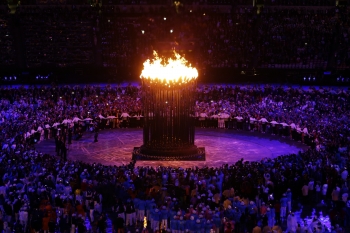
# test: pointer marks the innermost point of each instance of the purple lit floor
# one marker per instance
(222, 146)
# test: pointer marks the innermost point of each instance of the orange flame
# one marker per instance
(171, 70)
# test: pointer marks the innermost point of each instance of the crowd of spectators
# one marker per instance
(57, 36)
(303, 109)
(116, 41)
(137, 2)
(47, 193)
(299, 2)
(322, 113)
(296, 37)
(276, 37)
(342, 53)
(7, 46)
(189, 2)
(228, 41)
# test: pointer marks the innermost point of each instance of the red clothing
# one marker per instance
(278, 207)
(263, 210)
(80, 210)
(229, 227)
(84, 186)
(45, 226)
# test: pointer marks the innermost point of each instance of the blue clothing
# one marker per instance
(187, 224)
(195, 216)
(136, 203)
(242, 208)
(270, 214)
(182, 225)
(172, 213)
(191, 225)
(19, 186)
(217, 222)
(198, 227)
(83, 176)
(155, 215)
(164, 213)
(59, 188)
(208, 227)
(164, 178)
(228, 213)
(237, 216)
(203, 223)
(141, 205)
(172, 204)
(252, 209)
(150, 204)
(284, 201)
(174, 224)
(289, 196)
(236, 204)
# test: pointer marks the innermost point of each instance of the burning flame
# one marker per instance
(171, 70)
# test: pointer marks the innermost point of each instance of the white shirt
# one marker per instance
(263, 120)
(274, 123)
(292, 126)
(125, 114)
(239, 118)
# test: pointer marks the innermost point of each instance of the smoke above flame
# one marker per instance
(171, 70)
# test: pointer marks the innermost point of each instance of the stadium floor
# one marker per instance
(114, 147)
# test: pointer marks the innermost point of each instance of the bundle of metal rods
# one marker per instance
(168, 123)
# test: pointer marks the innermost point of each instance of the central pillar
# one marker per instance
(168, 106)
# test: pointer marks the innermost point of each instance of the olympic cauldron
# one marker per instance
(168, 88)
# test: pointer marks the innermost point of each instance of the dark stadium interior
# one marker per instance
(228, 41)
(271, 107)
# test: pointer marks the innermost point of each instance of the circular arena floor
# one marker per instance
(114, 147)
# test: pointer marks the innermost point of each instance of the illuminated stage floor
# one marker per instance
(114, 147)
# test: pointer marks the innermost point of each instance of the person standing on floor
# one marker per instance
(164, 215)
(118, 224)
(96, 134)
(284, 203)
(289, 200)
(130, 213)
